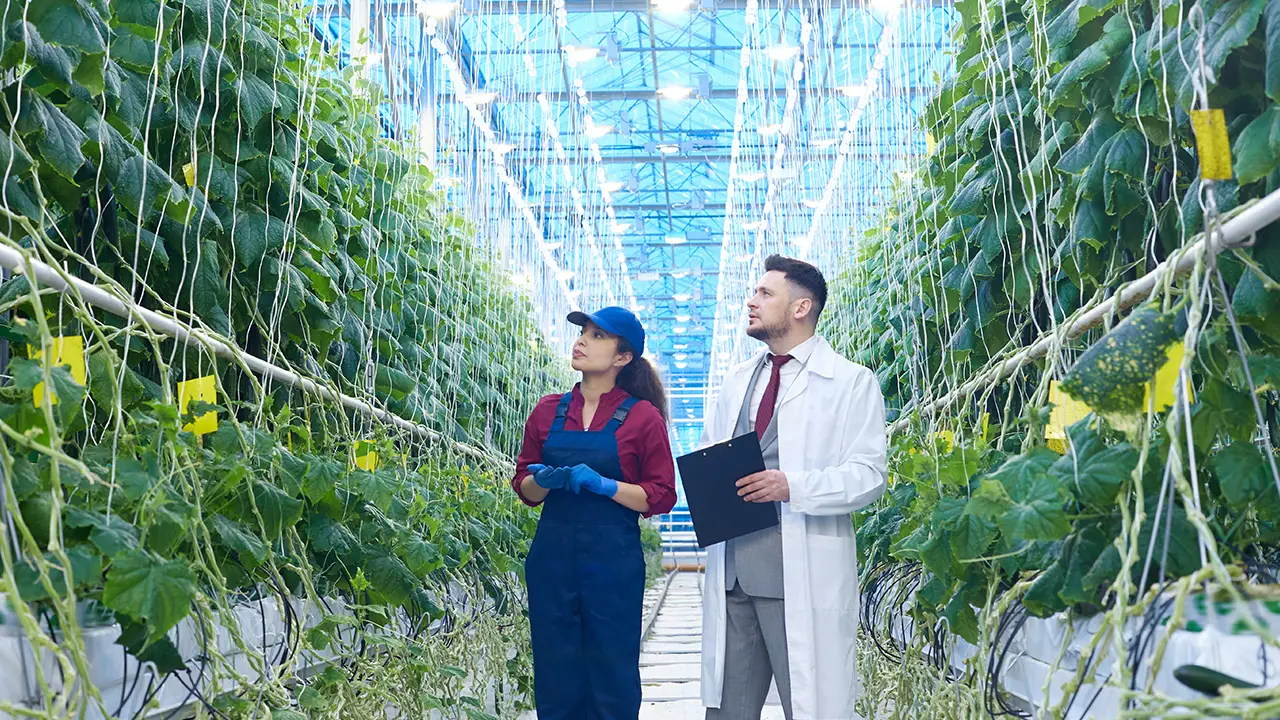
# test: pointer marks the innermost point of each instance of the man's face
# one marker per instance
(770, 309)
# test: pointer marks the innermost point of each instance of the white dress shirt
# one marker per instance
(789, 372)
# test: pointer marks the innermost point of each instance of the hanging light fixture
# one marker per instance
(437, 9)
(782, 53)
(575, 54)
(675, 92)
(479, 97)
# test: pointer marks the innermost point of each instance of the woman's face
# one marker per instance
(597, 351)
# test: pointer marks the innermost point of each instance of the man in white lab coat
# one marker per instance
(782, 604)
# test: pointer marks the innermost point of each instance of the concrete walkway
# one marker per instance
(670, 660)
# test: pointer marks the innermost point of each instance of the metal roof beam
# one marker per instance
(690, 48)
(694, 158)
(545, 7)
(715, 94)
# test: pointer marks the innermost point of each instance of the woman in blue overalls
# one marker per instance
(597, 458)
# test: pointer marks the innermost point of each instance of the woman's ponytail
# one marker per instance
(640, 379)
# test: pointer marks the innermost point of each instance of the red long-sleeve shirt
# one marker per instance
(643, 446)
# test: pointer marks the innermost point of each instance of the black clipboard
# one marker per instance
(710, 478)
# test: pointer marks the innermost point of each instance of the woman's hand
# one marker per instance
(550, 478)
(582, 477)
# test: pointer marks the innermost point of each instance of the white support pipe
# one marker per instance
(1233, 233)
(99, 297)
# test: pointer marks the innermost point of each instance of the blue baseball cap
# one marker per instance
(617, 321)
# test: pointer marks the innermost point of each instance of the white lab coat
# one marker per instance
(831, 435)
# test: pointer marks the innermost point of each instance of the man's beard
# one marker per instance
(765, 333)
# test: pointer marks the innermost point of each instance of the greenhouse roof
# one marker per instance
(652, 155)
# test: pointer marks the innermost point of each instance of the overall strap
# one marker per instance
(620, 415)
(562, 409)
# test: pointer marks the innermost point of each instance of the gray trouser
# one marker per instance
(755, 652)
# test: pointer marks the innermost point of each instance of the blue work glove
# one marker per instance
(550, 478)
(582, 477)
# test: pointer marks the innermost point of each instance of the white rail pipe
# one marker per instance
(48, 276)
(1233, 233)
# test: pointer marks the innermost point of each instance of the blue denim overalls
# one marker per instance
(585, 573)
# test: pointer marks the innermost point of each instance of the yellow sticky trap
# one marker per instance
(946, 436)
(1212, 144)
(1167, 378)
(368, 461)
(189, 172)
(67, 350)
(202, 389)
(1067, 411)
(930, 143)
(366, 457)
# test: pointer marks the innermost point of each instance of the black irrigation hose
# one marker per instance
(1011, 622)
(151, 694)
(876, 587)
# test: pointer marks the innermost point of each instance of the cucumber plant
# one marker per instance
(211, 161)
(1066, 167)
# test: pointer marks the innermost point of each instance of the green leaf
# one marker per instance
(291, 471)
(311, 699)
(1095, 478)
(60, 139)
(377, 487)
(112, 535)
(1089, 546)
(990, 501)
(133, 51)
(321, 479)
(1228, 27)
(67, 23)
(278, 509)
(936, 556)
(134, 478)
(144, 13)
(1037, 499)
(1222, 410)
(1271, 15)
(86, 570)
(1244, 476)
(51, 61)
(251, 550)
(1116, 37)
(1063, 28)
(325, 535)
(143, 187)
(162, 652)
(421, 556)
(961, 618)
(256, 97)
(1042, 599)
(1038, 515)
(392, 579)
(256, 234)
(26, 480)
(1082, 155)
(1092, 224)
(1254, 153)
(972, 536)
(147, 589)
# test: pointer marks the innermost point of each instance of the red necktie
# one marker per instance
(765, 413)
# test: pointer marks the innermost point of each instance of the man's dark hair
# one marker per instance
(803, 274)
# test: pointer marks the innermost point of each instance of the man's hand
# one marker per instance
(766, 486)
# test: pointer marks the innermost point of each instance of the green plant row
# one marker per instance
(1065, 167)
(211, 162)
